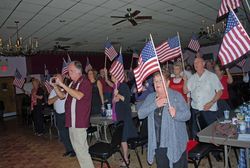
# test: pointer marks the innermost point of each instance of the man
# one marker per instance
(77, 108)
(60, 116)
(205, 89)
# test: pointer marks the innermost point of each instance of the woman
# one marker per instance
(223, 102)
(122, 112)
(37, 101)
(177, 82)
(97, 93)
(167, 133)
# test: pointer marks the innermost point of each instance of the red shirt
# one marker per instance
(77, 112)
(225, 94)
(178, 87)
(106, 87)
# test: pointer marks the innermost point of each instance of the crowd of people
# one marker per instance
(169, 101)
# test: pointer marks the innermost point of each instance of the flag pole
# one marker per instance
(181, 52)
(105, 61)
(164, 83)
(248, 5)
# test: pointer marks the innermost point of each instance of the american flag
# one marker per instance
(110, 51)
(117, 69)
(88, 65)
(235, 42)
(48, 86)
(65, 68)
(241, 63)
(169, 49)
(233, 4)
(19, 80)
(147, 64)
(194, 44)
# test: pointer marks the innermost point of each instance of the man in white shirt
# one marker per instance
(60, 118)
(205, 89)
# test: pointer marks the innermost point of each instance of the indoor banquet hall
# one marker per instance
(124, 83)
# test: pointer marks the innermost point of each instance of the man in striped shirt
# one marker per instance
(77, 109)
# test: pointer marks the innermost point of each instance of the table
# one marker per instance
(99, 121)
(207, 135)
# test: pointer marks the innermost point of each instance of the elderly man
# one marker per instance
(77, 108)
(205, 89)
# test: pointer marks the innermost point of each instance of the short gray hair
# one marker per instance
(78, 65)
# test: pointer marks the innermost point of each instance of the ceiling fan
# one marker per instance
(131, 17)
(58, 46)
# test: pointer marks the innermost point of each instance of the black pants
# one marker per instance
(162, 160)
(38, 119)
(206, 118)
(63, 132)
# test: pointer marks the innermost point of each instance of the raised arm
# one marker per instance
(73, 92)
(106, 78)
(230, 78)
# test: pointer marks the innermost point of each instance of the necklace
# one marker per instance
(159, 111)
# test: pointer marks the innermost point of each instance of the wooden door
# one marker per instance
(8, 95)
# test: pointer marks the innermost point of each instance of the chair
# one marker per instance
(139, 141)
(197, 151)
(101, 151)
(90, 131)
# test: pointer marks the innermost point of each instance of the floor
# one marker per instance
(20, 148)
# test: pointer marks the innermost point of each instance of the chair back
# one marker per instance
(117, 134)
(201, 123)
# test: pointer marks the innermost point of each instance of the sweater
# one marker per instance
(173, 130)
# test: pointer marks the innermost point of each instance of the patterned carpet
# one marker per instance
(20, 148)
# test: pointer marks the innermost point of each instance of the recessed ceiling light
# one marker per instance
(170, 10)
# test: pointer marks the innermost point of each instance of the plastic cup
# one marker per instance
(109, 106)
(242, 127)
(226, 114)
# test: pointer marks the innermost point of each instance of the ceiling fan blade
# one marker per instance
(117, 16)
(135, 13)
(119, 22)
(133, 22)
(143, 17)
